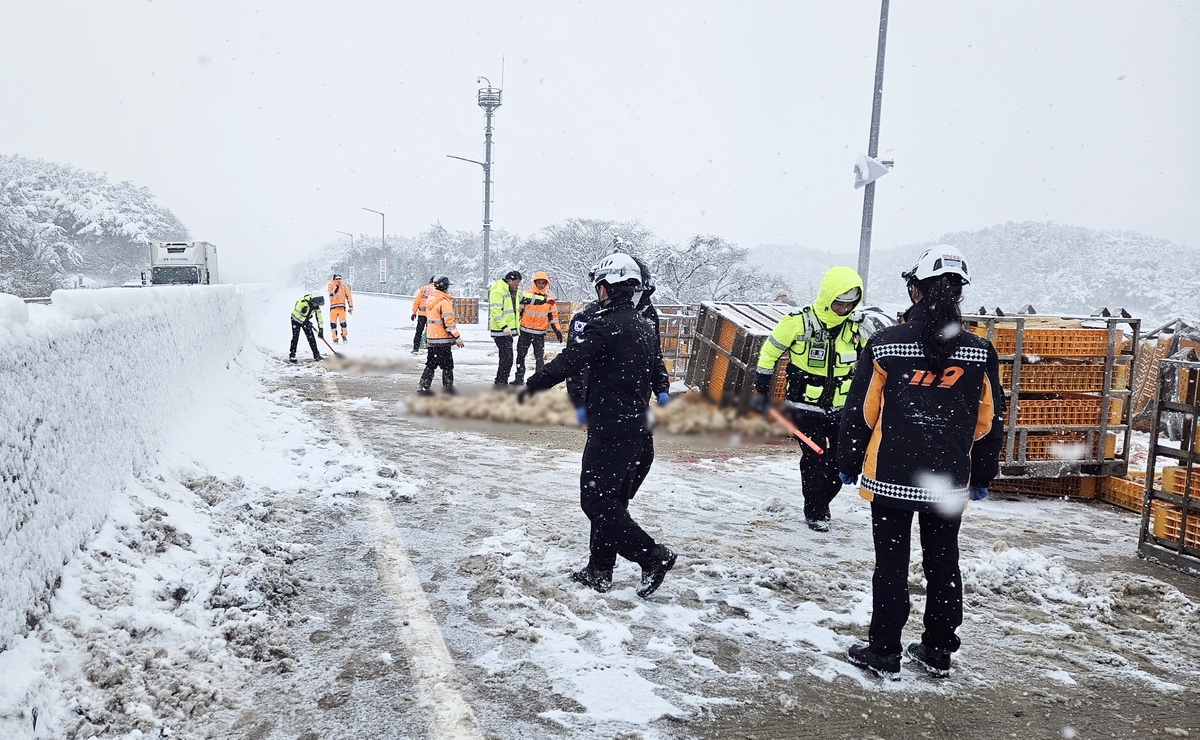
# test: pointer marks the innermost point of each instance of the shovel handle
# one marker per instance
(330, 346)
(783, 420)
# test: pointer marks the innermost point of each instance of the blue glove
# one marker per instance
(664, 399)
(581, 415)
(977, 493)
(848, 480)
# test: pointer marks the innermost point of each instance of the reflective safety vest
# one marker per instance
(442, 328)
(821, 359)
(305, 309)
(339, 295)
(502, 308)
(421, 301)
(537, 312)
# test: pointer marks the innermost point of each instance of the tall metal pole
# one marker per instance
(864, 242)
(487, 195)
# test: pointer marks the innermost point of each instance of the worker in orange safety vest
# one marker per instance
(340, 301)
(419, 308)
(538, 315)
(442, 330)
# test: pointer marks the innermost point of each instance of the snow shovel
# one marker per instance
(330, 346)
(792, 428)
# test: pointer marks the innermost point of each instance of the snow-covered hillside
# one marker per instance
(57, 222)
(1056, 268)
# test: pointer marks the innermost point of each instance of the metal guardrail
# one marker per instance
(1170, 528)
(43, 300)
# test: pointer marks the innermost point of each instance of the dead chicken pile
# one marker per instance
(687, 414)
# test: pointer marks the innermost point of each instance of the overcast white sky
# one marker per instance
(265, 126)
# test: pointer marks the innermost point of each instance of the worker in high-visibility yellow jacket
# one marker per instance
(503, 321)
(305, 310)
(822, 341)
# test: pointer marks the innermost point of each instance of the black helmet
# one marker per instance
(317, 300)
(337, 276)
(442, 283)
(513, 275)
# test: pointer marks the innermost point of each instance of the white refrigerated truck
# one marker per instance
(182, 263)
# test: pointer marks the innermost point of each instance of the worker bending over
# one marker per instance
(306, 308)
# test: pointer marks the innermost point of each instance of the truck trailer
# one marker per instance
(182, 263)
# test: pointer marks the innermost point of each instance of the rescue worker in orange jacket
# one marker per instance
(340, 301)
(538, 316)
(442, 330)
(419, 309)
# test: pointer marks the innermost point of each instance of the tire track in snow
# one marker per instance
(432, 665)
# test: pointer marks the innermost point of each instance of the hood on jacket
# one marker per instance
(837, 280)
(540, 275)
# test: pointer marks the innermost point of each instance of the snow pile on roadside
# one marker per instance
(186, 592)
(91, 382)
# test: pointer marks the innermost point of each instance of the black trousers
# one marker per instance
(440, 355)
(308, 333)
(505, 346)
(538, 341)
(892, 529)
(613, 470)
(420, 331)
(819, 482)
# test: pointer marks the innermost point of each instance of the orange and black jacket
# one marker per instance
(921, 435)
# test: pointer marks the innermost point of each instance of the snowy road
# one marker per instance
(255, 586)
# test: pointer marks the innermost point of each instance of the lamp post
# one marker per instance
(864, 242)
(489, 100)
(347, 233)
(383, 239)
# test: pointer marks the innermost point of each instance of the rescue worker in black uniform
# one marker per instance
(308, 307)
(620, 353)
(922, 425)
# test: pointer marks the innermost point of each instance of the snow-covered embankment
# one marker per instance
(89, 385)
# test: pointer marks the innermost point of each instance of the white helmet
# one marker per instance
(940, 259)
(617, 268)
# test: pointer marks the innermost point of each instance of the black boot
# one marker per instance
(655, 570)
(884, 666)
(593, 578)
(935, 662)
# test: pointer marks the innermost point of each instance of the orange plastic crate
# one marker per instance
(1050, 342)
(1168, 521)
(1047, 446)
(1175, 476)
(1124, 492)
(1071, 487)
(716, 383)
(1061, 378)
(1065, 412)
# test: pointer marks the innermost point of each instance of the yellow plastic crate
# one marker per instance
(1168, 521)
(1050, 342)
(1070, 487)
(1047, 446)
(1128, 493)
(1064, 378)
(1174, 477)
(1066, 412)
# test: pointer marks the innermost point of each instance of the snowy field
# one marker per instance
(298, 559)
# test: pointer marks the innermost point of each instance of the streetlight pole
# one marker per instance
(488, 99)
(864, 242)
(382, 234)
(347, 233)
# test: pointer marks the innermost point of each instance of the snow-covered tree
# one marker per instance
(57, 221)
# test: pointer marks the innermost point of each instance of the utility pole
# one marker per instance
(489, 100)
(864, 242)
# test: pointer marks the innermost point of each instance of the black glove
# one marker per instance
(763, 383)
(759, 403)
(321, 333)
(558, 335)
